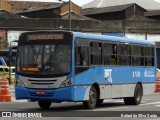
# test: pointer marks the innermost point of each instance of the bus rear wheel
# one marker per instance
(91, 103)
(44, 104)
(136, 100)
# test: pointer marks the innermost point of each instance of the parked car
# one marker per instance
(4, 72)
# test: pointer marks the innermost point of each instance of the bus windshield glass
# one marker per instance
(44, 59)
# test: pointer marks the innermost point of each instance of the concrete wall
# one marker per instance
(82, 25)
(134, 29)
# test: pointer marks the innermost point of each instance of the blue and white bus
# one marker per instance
(57, 66)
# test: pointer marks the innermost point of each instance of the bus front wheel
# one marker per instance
(44, 104)
(136, 100)
(91, 103)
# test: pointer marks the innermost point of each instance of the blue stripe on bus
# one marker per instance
(119, 75)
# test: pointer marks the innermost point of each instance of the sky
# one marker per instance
(78, 2)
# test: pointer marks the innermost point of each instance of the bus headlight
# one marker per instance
(66, 83)
(19, 83)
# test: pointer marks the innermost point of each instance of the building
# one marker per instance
(5, 6)
(11, 5)
(22, 5)
(6, 14)
(141, 10)
(146, 4)
(119, 12)
(3, 33)
(52, 11)
(155, 14)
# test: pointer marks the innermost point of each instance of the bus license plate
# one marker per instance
(41, 92)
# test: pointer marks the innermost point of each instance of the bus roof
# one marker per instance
(112, 38)
(100, 37)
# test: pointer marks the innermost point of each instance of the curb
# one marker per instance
(14, 100)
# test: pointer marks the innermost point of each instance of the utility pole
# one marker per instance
(70, 26)
(69, 15)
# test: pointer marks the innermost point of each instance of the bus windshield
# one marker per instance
(44, 59)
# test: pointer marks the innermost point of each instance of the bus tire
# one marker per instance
(136, 100)
(44, 104)
(91, 103)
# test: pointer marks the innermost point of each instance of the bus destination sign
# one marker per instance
(45, 36)
(31, 69)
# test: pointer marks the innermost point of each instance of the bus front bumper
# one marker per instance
(55, 95)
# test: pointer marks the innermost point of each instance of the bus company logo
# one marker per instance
(149, 74)
(108, 75)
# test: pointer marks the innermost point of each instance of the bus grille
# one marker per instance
(42, 82)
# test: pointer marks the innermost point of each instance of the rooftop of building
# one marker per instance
(146, 4)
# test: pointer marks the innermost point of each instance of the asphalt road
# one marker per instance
(114, 109)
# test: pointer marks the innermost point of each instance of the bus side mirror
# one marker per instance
(10, 48)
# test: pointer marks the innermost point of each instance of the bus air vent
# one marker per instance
(42, 82)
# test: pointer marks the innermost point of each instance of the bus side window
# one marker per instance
(96, 53)
(137, 55)
(124, 54)
(81, 56)
(110, 54)
(149, 56)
